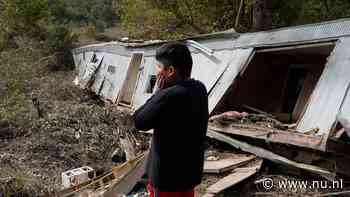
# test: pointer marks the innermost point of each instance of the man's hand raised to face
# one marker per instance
(166, 76)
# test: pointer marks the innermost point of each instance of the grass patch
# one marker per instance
(17, 182)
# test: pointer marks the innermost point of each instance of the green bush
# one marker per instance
(60, 41)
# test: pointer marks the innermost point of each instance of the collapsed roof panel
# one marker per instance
(209, 68)
(238, 59)
(327, 97)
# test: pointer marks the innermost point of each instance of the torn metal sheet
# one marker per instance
(260, 152)
(239, 58)
(327, 97)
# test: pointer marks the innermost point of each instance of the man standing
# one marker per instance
(178, 114)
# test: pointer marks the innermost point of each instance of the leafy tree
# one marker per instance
(101, 13)
(156, 18)
(22, 16)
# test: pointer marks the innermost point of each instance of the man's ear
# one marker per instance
(171, 71)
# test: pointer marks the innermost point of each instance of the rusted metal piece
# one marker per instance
(273, 135)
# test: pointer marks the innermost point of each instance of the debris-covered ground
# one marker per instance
(75, 130)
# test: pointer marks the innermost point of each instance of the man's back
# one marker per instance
(179, 117)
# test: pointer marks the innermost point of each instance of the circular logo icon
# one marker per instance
(267, 183)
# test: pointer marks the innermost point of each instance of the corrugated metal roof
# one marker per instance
(318, 31)
(123, 49)
(119, 47)
(222, 40)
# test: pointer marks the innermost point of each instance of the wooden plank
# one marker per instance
(272, 135)
(126, 183)
(227, 164)
(236, 177)
(260, 152)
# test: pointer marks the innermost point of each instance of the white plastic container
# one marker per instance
(76, 176)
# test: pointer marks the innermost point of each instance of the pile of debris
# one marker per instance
(232, 159)
(303, 155)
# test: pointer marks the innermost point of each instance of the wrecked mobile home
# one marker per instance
(291, 85)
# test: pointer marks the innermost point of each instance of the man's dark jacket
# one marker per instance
(179, 117)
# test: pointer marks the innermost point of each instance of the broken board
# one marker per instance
(226, 164)
(237, 176)
(266, 154)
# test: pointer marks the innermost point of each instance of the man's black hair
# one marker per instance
(178, 55)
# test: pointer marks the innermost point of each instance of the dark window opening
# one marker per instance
(151, 84)
(295, 81)
(277, 81)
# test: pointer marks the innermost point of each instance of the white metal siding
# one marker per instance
(115, 73)
(239, 58)
(327, 97)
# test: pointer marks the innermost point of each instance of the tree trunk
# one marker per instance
(262, 15)
(239, 14)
